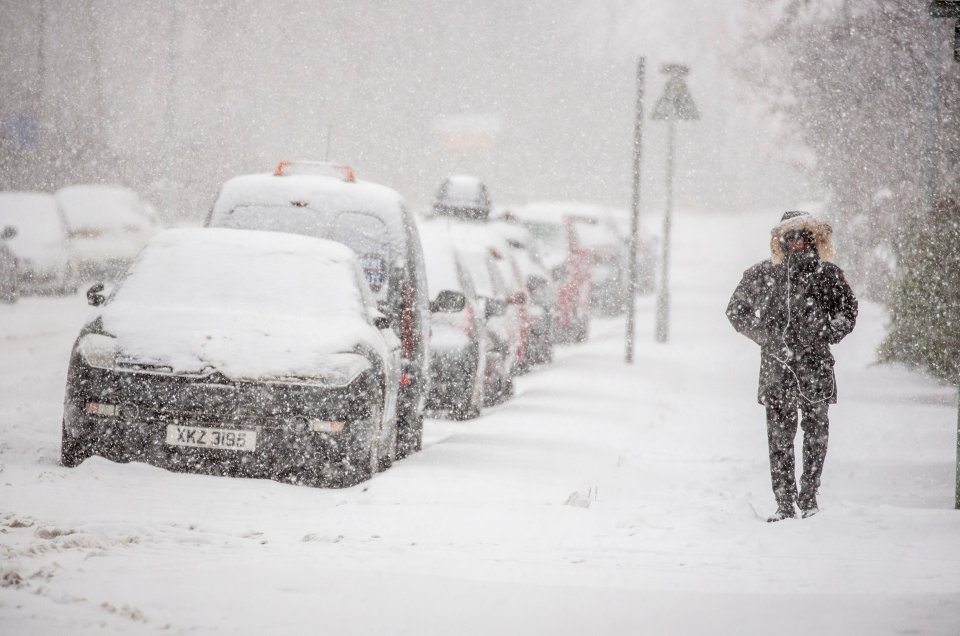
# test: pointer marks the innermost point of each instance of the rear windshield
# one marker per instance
(364, 233)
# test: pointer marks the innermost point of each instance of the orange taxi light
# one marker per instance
(316, 168)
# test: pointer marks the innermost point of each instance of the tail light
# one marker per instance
(467, 320)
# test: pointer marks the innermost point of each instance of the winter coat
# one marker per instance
(795, 306)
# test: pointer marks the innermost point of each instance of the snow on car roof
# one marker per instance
(41, 234)
(250, 304)
(320, 191)
(102, 206)
(548, 211)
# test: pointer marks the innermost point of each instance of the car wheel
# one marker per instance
(581, 331)
(386, 460)
(410, 431)
(72, 451)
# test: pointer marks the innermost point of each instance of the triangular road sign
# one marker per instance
(676, 103)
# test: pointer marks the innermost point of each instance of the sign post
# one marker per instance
(635, 208)
(675, 105)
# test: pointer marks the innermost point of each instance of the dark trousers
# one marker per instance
(781, 431)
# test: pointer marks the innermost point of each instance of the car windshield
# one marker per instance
(92, 209)
(550, 244)
(39, 226)
(364, 233)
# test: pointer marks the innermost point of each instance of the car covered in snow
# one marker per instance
(326, 201)
(9, 276)
(541, 295)
(236, 352)
(107, 226)
(557, 245)
(463, 197)
(503, 322)
(40, 244)
(459, 339)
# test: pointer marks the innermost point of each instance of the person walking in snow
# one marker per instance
(795, 305)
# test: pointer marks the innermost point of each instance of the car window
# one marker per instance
(364, 233)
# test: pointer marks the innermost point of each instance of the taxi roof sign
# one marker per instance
(315, 168)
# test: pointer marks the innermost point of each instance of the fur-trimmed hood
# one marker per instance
(794, 221)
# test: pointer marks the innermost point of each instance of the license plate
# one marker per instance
(200, 437)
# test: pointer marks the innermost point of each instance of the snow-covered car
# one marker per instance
(464, 197)
(237, 352)
(9, 276)
(539, 287)
(40, 244)
(327, 201)
(458, 333)
(606, 251)
(483, 238)
(501, 324)
(557, 246)
(107, 226)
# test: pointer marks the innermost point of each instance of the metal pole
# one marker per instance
(635, 209)
(663, 297)
(956, 496)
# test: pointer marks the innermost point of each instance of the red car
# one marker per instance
(554, 227)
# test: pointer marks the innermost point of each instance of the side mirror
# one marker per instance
(379, 320)
(495, 308)
(8, 232)
(95, 295)
(517, 298)
(448, 302)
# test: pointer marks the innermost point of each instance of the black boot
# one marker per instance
(807, 503)
(785, 510)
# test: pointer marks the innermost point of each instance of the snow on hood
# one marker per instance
(41, 235)
(252, 305)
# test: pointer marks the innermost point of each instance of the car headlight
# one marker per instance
(339, 369)
(98, 350)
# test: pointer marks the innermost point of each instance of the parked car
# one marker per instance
(9, 275)
(237, 352)
(40, 244)
(326, 201)
(557, 246)
(541, 296)
(462, 197)
(608, 257)
(459, 340)
(107, 226)
(502, 324)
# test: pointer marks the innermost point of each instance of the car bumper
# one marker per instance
(147, 405)
(452, 376)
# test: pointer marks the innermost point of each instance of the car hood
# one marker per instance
(239, 345)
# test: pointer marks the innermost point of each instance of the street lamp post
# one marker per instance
(675, 105)
(635, 208)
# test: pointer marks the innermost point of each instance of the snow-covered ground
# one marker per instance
(603, 499)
